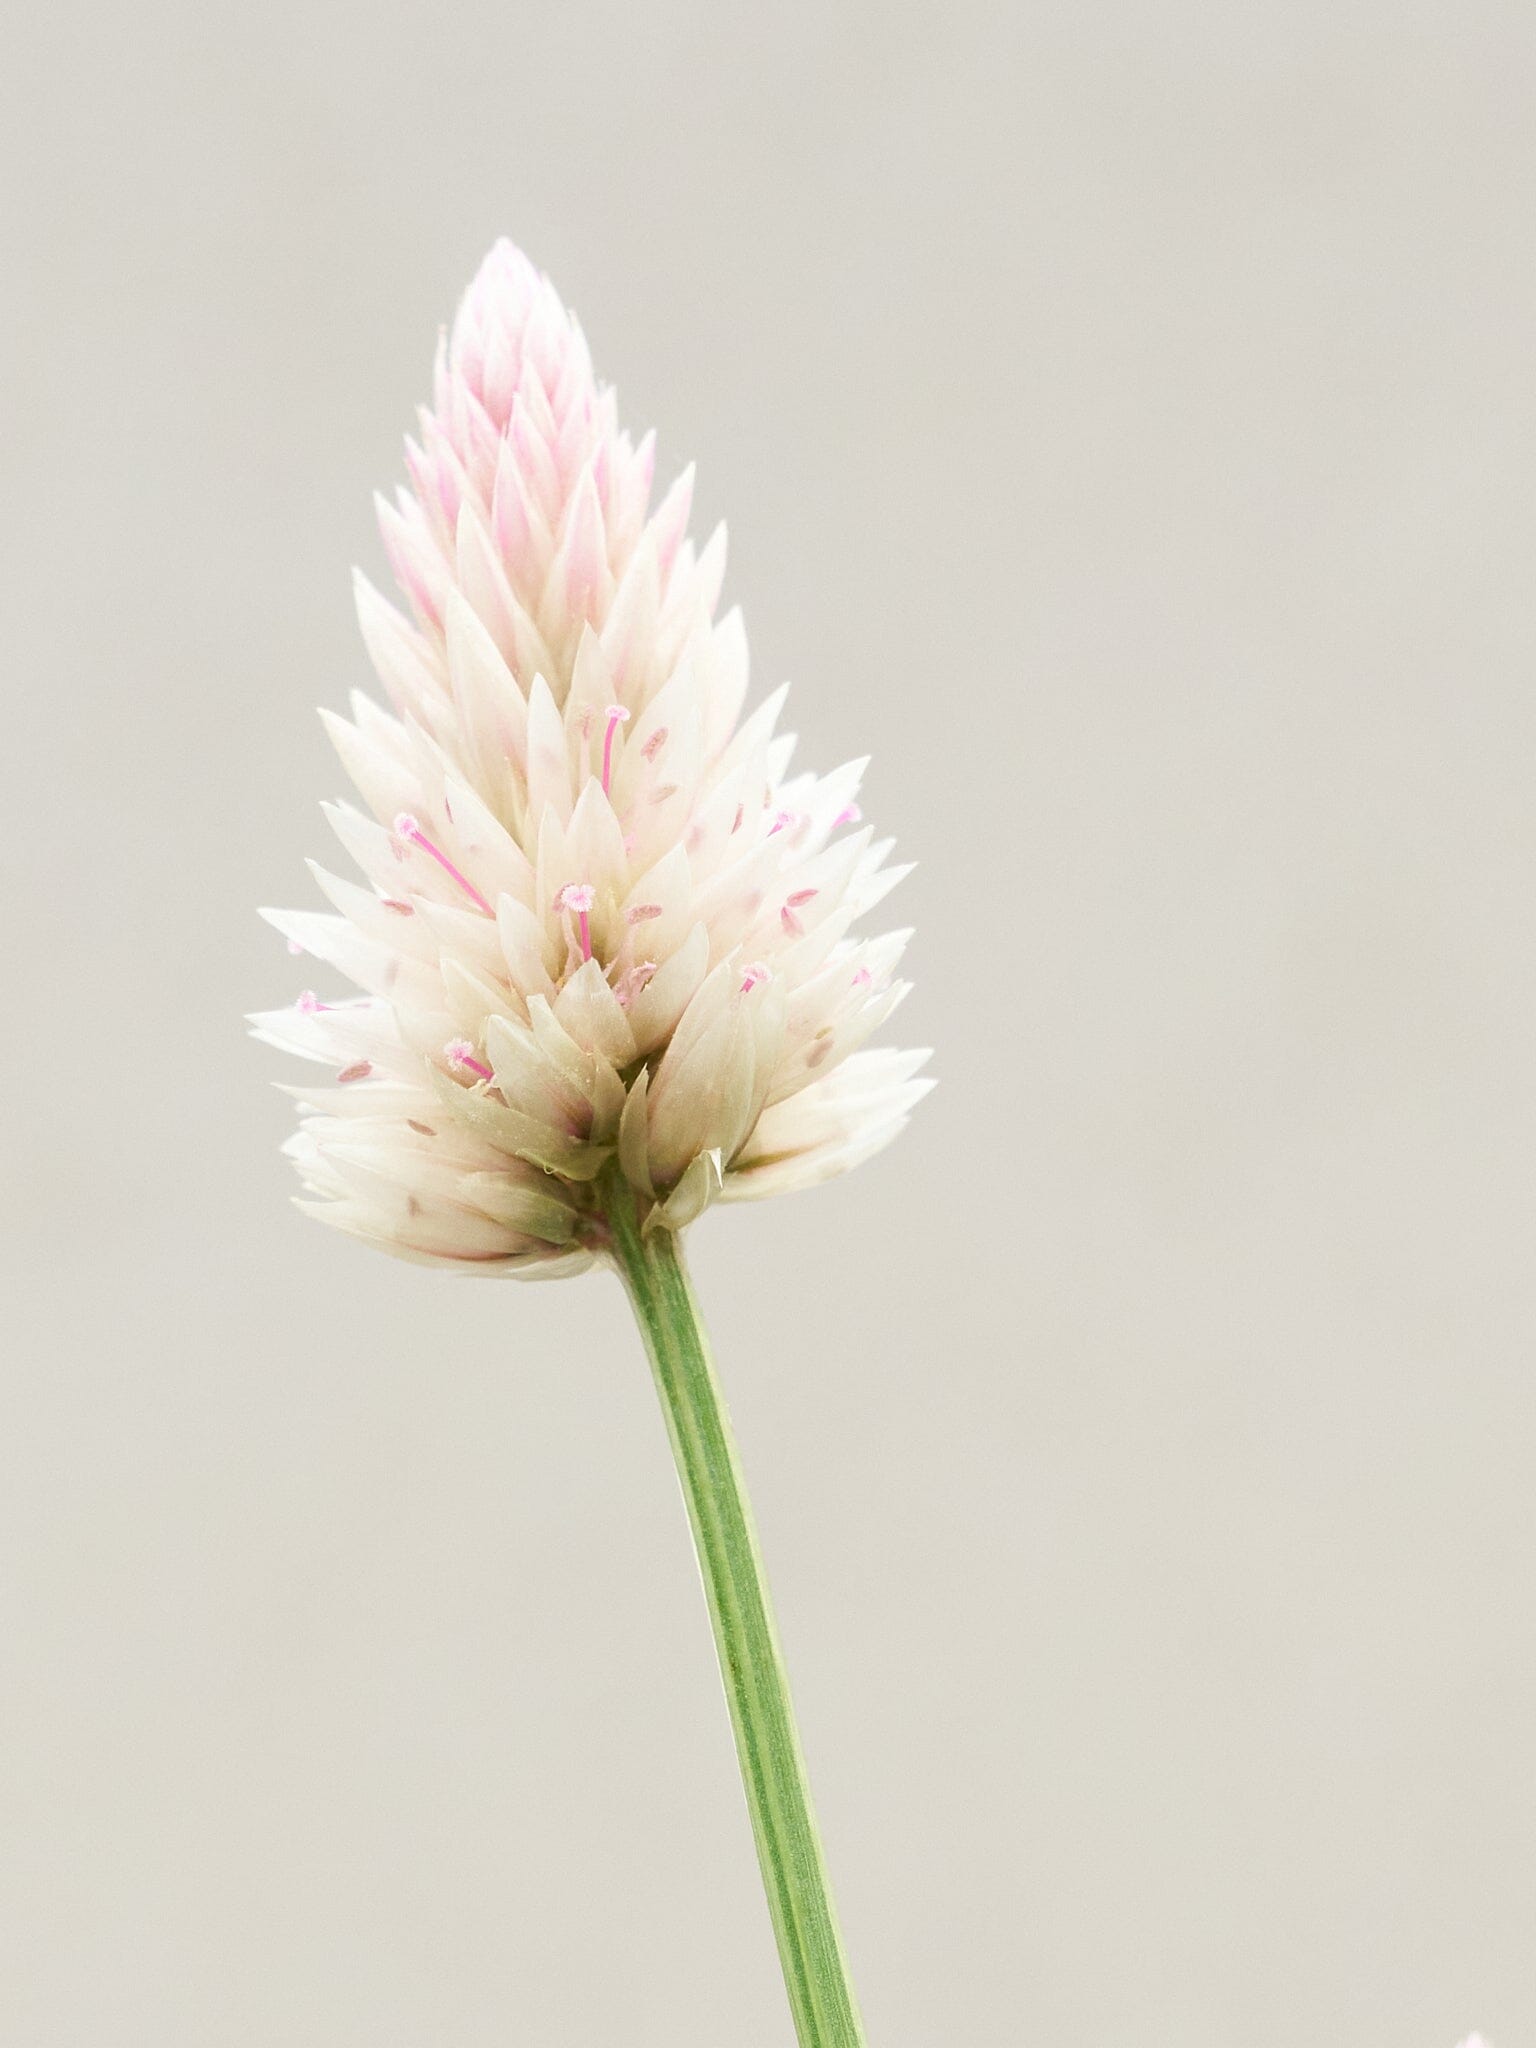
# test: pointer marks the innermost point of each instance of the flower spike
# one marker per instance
(563, 703)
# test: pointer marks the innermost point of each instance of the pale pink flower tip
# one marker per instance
(565, 697)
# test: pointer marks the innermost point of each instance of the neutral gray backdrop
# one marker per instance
(1125, 420)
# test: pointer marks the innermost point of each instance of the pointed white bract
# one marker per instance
(600, 918)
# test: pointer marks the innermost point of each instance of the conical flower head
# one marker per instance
(600, 919)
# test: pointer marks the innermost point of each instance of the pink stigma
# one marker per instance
(579, 897)
(616, 717)
(407, 827)
(850, 814)
(754, 975)
(462, 1053)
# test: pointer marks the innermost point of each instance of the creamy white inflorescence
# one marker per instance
(602, 920)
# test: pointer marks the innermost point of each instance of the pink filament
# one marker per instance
(462, 1053)
(579, 897)
(616, 717)
(407, 827)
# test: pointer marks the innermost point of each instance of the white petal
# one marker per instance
(549, 765)
(634, 1148)
(591, 1013)
(691, 1197)
(493, 716)
(526, 946)
(656, 1011)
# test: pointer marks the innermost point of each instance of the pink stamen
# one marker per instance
(398, 905)
(579, 897)
(633, 981)
(755, 975)
(309, 1004)
(358, 1071)
(801, 896)
(641, 912)
(655, 743)
(850, 814)
(407, 827)
(617, 716)
(863, 979)
(782, 820)
(462, 1053)
(791, 923)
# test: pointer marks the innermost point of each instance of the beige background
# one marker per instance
(1125, 418)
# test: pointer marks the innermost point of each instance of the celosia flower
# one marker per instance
(601, 917)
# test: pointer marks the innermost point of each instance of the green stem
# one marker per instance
(751, 1662)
